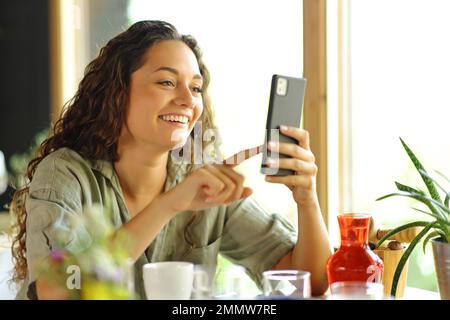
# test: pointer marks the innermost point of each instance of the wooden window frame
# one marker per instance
(66, 38)
(315, 107)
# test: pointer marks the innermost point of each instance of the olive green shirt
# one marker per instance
(64, 183)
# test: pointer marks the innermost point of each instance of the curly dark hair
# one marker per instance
(92, 120)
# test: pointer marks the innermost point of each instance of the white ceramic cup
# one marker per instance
(171, 280)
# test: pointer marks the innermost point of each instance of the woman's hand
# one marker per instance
(211, 185)
(302, 162)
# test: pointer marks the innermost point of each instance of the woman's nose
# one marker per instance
(185, 97)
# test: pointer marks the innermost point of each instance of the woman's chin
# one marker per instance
(178, 138)
(177, 144)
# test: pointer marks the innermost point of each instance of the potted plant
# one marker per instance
(437, 229)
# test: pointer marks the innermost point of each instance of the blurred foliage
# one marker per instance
(95, 250)
(18, 162)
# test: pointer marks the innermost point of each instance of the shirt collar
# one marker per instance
(105, 167)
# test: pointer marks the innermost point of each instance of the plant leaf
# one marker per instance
(401, 228)
(442, 175)
(434, 181)
(447, 193)
(433, 215)
(442, 210)
(406, 255)
(429, 183)
(391, 195)
(430, 236)
(405, 188)
(426, 200)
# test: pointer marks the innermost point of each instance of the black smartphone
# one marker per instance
(285, 108)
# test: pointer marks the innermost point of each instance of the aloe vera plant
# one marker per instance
(438, 227)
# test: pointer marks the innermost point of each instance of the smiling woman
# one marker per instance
(140, 100)
(165, 93)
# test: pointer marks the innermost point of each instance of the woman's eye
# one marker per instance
(166, 83)
(198, 89)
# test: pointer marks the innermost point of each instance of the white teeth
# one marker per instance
(182, 119)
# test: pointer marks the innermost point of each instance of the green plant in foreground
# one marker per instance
(18, 162)
(438, 227)
(93, 246)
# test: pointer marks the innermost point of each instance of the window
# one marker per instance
(388, 82)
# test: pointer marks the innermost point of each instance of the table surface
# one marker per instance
(411, 293)
(420, 294)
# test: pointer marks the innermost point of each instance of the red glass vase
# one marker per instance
(354, 260)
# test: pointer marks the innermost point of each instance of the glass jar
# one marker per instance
(354, 260)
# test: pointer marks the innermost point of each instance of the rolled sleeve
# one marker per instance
(256, 239)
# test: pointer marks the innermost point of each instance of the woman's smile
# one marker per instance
(176, 119)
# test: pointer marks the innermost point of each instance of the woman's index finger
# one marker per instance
(243, 155)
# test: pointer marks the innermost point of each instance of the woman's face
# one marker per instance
(165, 96)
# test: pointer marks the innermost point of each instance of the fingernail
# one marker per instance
(268, 178)
(284, 128)
(272, 144)
(209, 199)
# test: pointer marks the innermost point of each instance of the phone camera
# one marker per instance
(282, 86)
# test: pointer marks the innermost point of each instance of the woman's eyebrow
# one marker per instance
(175, 71)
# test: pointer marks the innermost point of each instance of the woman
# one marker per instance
(138, 100)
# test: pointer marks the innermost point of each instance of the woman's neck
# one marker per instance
(142, 172)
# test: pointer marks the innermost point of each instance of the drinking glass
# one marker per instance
(228, 282)
(287, 283)
(356, 290)
(203, 280)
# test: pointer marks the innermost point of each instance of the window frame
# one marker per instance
(315, 106)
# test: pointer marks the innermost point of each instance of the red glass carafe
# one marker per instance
(354, 260)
